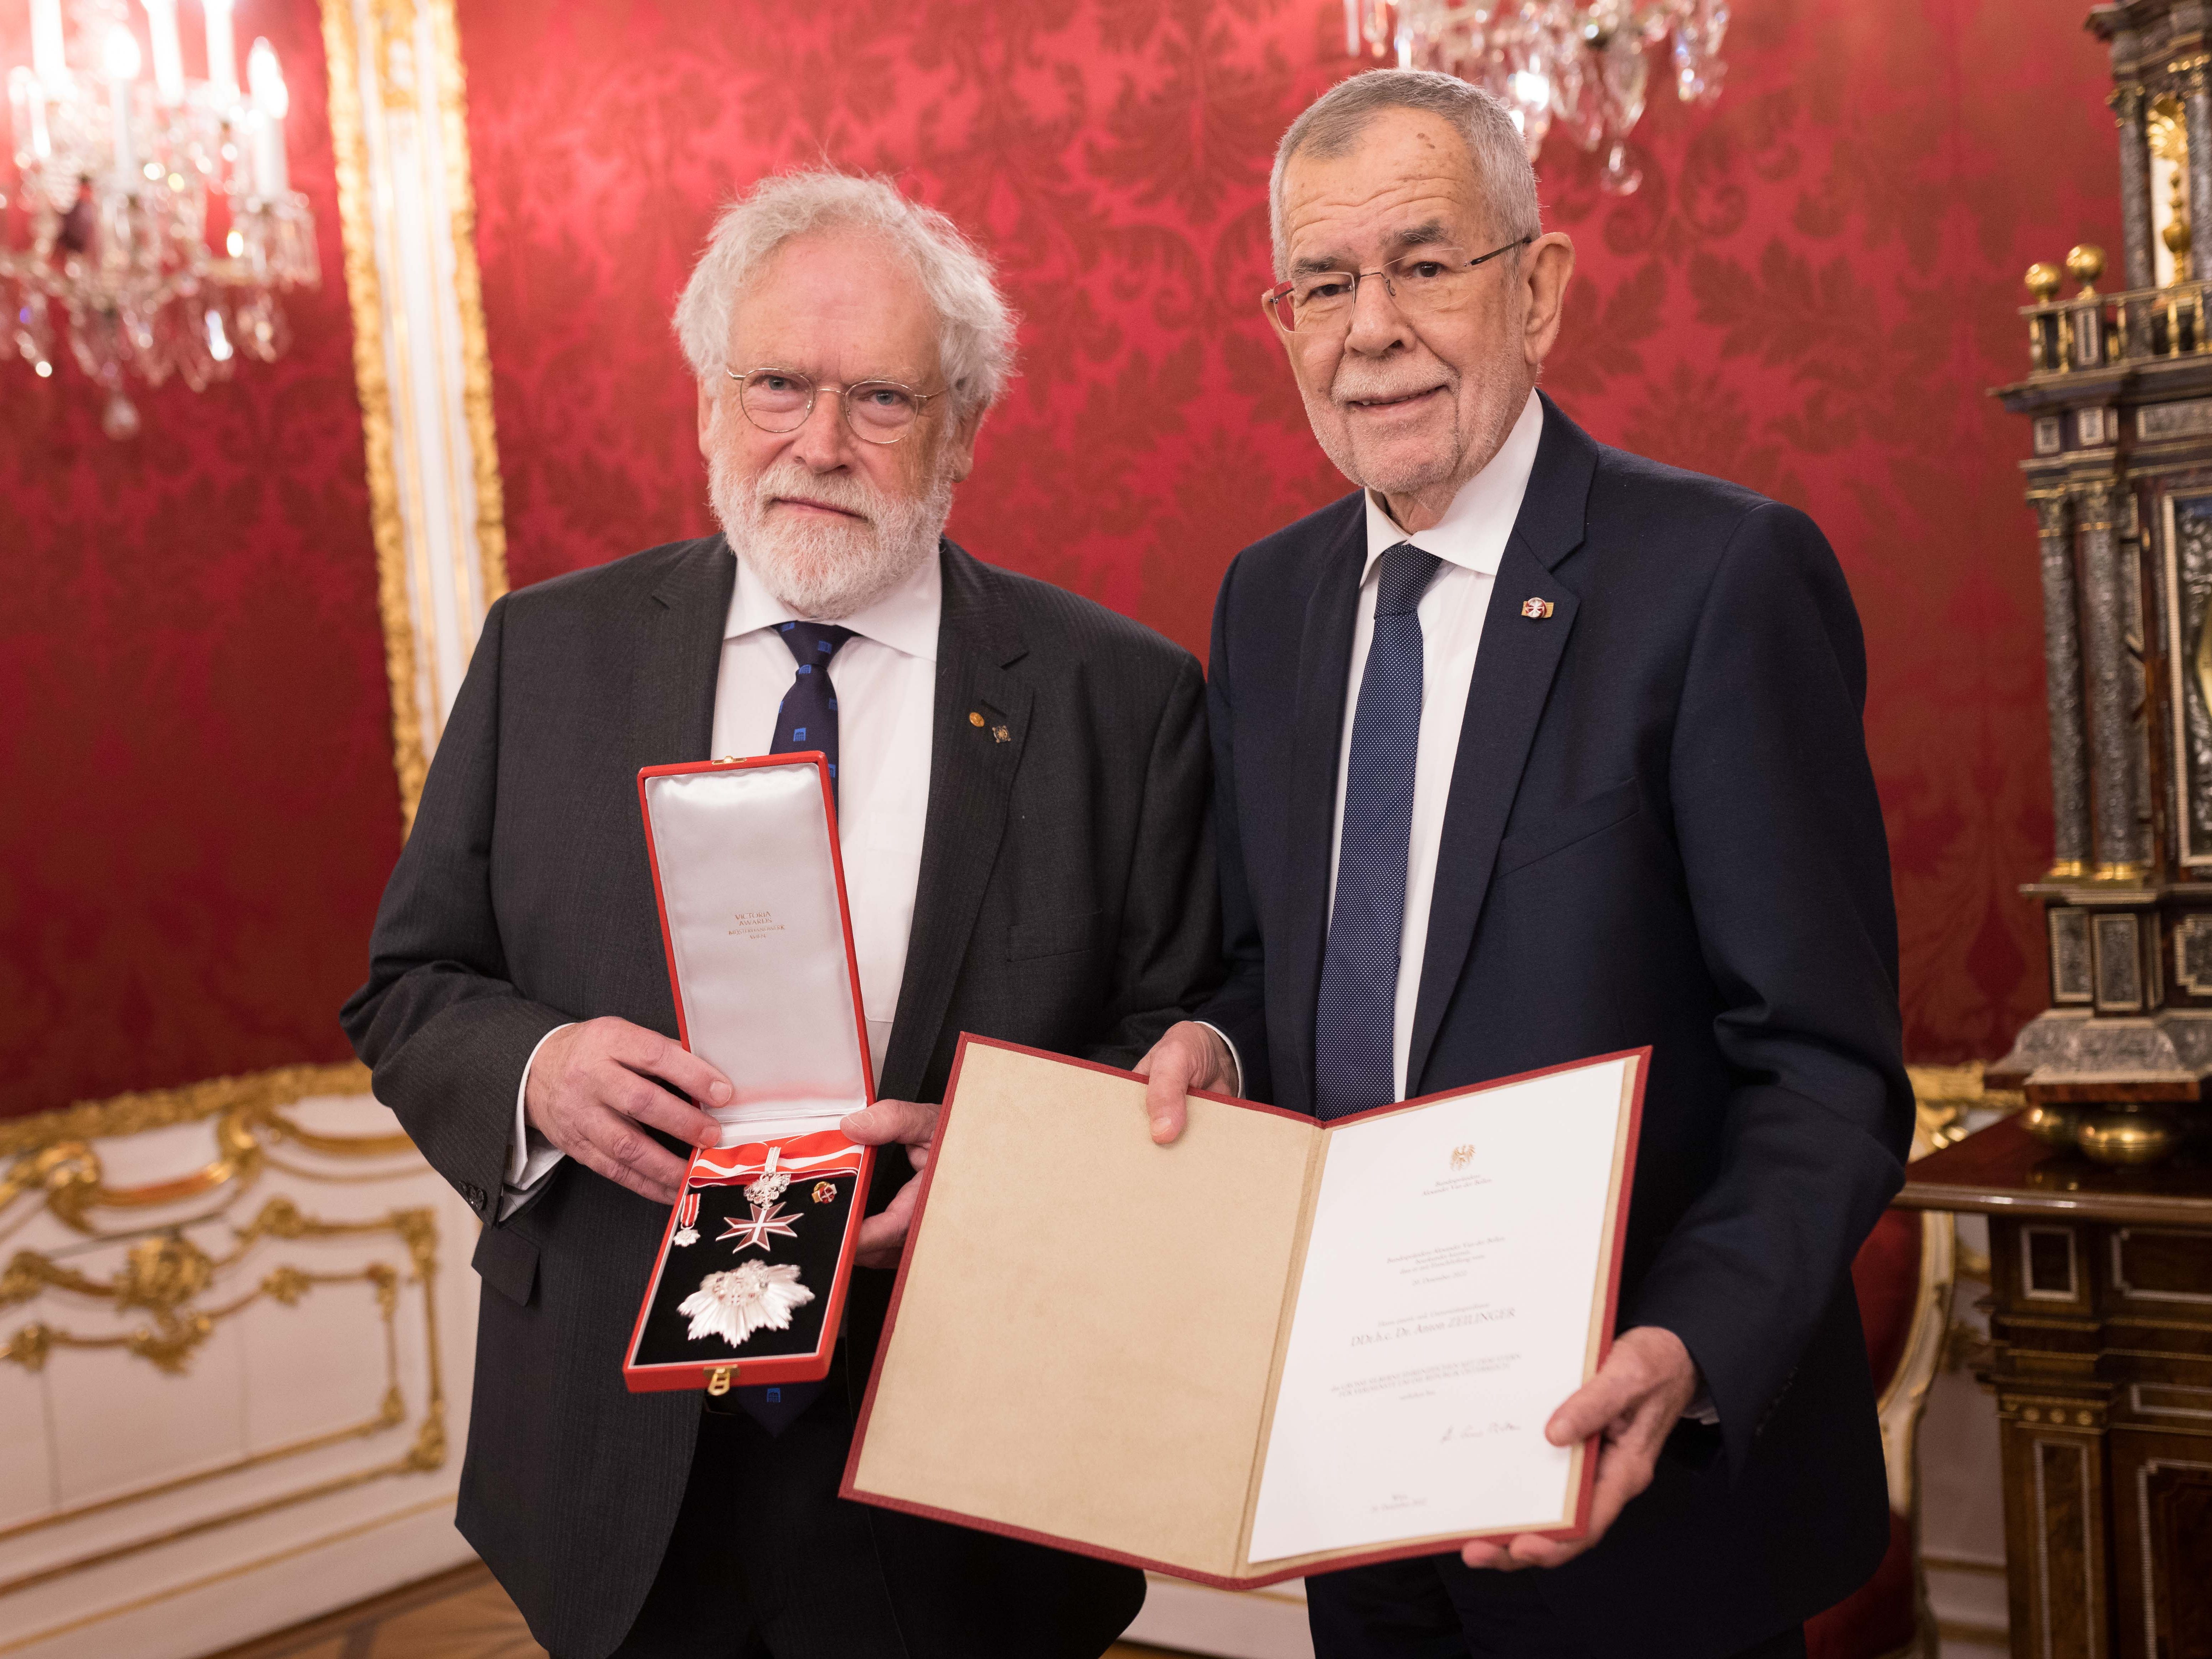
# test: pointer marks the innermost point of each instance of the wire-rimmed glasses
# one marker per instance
(876, 411)
(1427, 279)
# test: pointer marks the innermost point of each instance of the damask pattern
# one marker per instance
(198, 811)
(1808, 294)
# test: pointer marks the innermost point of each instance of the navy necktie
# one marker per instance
(808, 719)
(1355, 1062)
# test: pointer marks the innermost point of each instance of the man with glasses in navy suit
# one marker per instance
(1529, 750)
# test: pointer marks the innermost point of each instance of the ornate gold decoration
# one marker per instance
(160, 1108)
(2167, 133)
(2085, 263)
(358, 234)
(2067, 870)
(468, 293)
(1943, 1095)
(2043, 280)
(395, 51)
(394, 26)
(2125, 875)
(2129, 1137)
(2052, 1125)
(163, 1274)
(68, 1171)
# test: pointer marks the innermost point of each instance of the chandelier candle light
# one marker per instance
(1581, 66)
(159, 219)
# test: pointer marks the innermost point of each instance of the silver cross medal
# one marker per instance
(755, 1232)
(768, 1216)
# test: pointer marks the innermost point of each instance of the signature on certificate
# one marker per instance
(1477, 1430)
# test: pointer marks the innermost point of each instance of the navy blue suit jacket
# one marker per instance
(1661, 829)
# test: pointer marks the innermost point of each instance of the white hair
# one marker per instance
(975, 325)
(1331, 125)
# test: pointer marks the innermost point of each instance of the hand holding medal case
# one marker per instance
(750, 1284)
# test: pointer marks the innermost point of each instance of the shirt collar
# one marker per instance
(1476, 528)
(905, 619)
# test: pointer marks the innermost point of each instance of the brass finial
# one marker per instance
(2085, 263)
(2043, 280)
(2176, 238)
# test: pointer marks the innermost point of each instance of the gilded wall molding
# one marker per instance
(165, 1274)
(421, 363)
(468, 290)
(160, 1108)
(373, 386)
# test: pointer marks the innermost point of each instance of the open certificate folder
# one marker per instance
(1274, 1348)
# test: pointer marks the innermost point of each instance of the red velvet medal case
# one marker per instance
(749, 1286)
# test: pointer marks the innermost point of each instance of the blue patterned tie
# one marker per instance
(1354, 1055)
(808, 718)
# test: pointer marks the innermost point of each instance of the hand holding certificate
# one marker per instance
(1273, 1346)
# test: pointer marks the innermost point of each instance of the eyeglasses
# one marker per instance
(1428, 279)
(782, 400)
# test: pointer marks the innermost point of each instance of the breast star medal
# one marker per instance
(754, 1234)
(750, 1297)
(687, 1220)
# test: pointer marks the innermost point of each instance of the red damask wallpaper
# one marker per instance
(196, 802)
(1808, 294)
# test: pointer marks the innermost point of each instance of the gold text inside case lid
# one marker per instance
(749, 880)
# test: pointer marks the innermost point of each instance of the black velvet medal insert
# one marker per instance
(819, 1235)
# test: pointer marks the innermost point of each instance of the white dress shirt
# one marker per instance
(1470, 539)
(885, 677)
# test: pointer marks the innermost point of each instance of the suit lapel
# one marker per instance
(1513, 673)
(1317, 739)
(672, 716)
(972, 765)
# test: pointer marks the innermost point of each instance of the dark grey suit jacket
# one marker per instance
(1068, 899)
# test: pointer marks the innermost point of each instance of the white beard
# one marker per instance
(824, 569)
(750, 1297)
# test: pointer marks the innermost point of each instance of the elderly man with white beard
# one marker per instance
(1022, 782)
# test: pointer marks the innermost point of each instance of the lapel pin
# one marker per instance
(999, 734)
(973, 718)
(1536, 609)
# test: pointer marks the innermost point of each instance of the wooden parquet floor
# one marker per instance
(461, 1615)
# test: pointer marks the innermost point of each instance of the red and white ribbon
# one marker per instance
(800, 1155)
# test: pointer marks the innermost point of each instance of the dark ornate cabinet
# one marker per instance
(2100, 1193)
(2119, 399)
(2100, 1320)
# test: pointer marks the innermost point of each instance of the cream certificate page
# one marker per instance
(1444, 1314)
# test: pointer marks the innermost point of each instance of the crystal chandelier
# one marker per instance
(158, 217)
(1583, 67)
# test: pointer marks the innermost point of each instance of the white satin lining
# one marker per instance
(749, 881)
